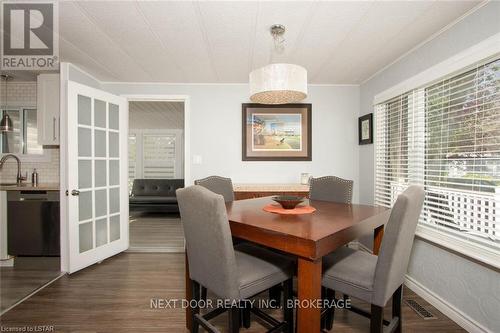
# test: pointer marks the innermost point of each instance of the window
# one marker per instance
(446, 137)
(24, 138)
(132, 158)
(155, 154)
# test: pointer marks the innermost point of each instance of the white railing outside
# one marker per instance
(466, 211)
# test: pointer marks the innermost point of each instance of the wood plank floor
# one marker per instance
(27, 275)
(115, 296)
(156, 233)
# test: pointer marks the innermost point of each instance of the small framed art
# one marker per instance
(365, 129)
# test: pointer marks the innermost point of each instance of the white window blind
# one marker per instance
(446, 137)
(132, 159)
(155, 154)
(159, 155)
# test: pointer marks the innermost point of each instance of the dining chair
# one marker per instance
(224, 187)
(232, 273)
(375, 279)
(331, 188)
(219, 185)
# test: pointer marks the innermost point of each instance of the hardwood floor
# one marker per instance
(27, 275)
(115, 296)
(151, 232)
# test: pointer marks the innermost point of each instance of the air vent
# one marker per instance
(419, 309)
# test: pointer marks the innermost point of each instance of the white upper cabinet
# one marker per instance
(48, 113)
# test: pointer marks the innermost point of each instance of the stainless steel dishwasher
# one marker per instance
(33, 223)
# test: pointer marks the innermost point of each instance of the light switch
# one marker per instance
(197, 159)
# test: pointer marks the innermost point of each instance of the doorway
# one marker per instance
(156, 169)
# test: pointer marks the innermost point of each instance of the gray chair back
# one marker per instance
(219, 185)
(210, 251)
(397, 243)
(331, 188)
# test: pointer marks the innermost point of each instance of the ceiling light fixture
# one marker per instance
(278, 83)
(6, 122)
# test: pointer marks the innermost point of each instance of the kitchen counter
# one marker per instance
(29, 187)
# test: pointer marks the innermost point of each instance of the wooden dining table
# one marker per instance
(308, 237)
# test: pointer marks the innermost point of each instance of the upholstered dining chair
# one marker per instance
(376, 279)
(234, 273)
(331, 188)
(219, 185)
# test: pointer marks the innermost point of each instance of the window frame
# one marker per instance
(179, 151)
(461, 62)
(21, 109)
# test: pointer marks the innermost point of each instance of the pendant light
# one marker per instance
(278, 83)
(6, 122)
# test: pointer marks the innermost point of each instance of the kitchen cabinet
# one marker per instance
(48, 112)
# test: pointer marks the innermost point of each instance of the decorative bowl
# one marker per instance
(288, 201)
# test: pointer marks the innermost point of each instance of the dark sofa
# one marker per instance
(155, 195)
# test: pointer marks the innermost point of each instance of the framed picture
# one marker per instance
(276, 132)
(365, 129)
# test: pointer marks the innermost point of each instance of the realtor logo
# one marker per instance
(30, 39)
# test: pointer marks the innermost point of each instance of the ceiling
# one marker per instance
(156, 115)
(209, 42)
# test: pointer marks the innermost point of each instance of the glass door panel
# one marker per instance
(97, 132)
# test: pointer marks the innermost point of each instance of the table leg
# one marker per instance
(378, 234)
(309, 291)
(189, 294)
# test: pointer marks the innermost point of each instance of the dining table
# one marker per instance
(307, 237)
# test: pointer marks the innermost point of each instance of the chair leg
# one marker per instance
(330, 296)
(203, 293)
(234, 320)
(323, 317)
(275, 295)
(196, 309)
(287, 308)
(397, 299)
(377, 319)
(245, 314)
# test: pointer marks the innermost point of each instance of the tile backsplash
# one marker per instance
(19, 94)
(23, 94)
(48, 171)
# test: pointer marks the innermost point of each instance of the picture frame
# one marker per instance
(276, 132)
(365, 129)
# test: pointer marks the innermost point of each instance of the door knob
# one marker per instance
(75, 192)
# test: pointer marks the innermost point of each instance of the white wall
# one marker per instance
(215, 129)
(155, 115)
(471, 288)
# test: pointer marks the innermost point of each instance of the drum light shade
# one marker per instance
(278, 84)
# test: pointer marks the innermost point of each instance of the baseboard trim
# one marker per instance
(463, 320)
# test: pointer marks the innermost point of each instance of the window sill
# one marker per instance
(476, 252)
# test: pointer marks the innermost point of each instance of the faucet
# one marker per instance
(20, 178)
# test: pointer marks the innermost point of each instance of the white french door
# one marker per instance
(97, 127)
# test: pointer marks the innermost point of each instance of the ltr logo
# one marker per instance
(29, 38)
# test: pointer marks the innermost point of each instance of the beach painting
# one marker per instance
(276, 132)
